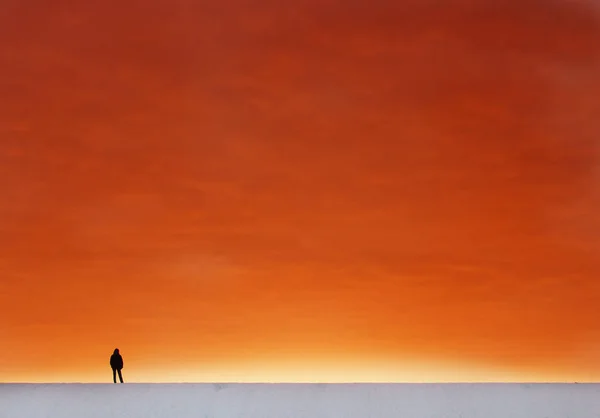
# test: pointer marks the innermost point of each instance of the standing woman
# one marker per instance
(116, 363)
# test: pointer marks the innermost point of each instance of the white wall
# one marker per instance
(300, 400)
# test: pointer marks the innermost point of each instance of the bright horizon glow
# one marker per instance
(297, 371)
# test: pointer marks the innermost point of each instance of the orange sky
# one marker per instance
(303, 190)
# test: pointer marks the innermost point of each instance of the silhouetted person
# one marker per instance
(116, 363)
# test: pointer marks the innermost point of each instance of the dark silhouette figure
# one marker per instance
(116, 363)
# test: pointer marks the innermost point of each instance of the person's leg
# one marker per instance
(120, 376)
(114, 376)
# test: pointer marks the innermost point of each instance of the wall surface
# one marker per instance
(300, 400)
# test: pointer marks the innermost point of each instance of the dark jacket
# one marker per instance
(116, 361)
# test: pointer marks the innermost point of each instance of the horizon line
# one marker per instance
(309, 383)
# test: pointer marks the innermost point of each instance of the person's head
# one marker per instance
(116, 351)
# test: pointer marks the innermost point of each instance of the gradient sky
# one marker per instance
(302, 190)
